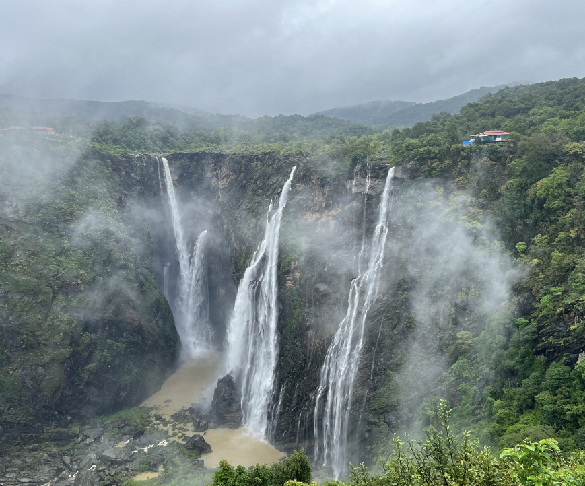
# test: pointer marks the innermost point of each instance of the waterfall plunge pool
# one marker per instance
(195, 382)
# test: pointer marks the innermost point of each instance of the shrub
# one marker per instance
(295, 469)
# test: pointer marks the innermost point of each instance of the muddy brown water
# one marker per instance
(195, 382)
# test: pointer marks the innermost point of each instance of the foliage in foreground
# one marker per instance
(295, 468)
(444, 459)
(441, 458)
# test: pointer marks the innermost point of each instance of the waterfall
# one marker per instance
(341, 362)
(252, 335)
(166, 280)
(192, 303)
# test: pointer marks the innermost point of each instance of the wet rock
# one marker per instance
(88, 461)
(371, 186)
(146, 440)
(225, 406)
(199, 419)
(65, 474)
(200, 425)
(93, 434)
(58, 435)
(186, 415)
(64, 482)
(25, 466)
(197, 443)
(86, 478)
(115, 455)
(321, 293)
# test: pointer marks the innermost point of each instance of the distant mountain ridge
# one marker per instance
(66, 116)
(367, 111)
(397, 114)
(82, 118)
(180, 116)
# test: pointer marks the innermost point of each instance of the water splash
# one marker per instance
(192, 303)
(341, 362)
(251, 335)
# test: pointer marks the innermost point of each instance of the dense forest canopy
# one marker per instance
(400, 114)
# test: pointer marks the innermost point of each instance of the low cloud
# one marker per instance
(263, 57)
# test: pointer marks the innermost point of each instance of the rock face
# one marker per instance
(322, 230)
(30, 468)
(84, 328)
(107, 321)
(197, 443)
(115, 455)
(226, 408)
(86, 478)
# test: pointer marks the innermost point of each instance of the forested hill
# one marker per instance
(531, 382)
(374, 112)
(180, 127)
(82, 117)
(406, 113)
(182, 117)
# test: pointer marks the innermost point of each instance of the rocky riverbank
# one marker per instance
(177, 436)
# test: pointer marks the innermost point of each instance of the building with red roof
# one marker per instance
(490, 136)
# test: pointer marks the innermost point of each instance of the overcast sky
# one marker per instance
(258, 57)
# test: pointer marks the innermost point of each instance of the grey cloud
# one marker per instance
(269, 57)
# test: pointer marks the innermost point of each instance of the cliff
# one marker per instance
(88, 331)
(84, 327)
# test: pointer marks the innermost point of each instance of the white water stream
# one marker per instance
(333, 399)
(192, 303)
(252, 331)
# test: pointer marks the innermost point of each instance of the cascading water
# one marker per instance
(192, 303)
(166, 280)
(342, 359)
(251, 335)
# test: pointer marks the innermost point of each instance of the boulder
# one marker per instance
(201, 425)
(195, 415)
(115, 455)
(197, 443)
(89, 460)
(226, 408)
(87, 478)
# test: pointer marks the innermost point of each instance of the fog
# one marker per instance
(262, 57)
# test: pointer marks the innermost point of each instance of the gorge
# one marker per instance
(338, 290)
(206, 202)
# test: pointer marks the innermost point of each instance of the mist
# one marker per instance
(447, 252)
